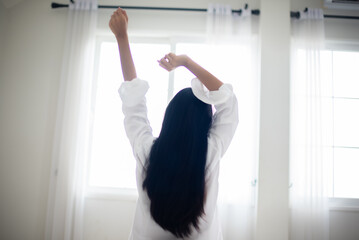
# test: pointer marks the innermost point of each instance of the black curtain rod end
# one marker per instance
(295, 15)
(239, 11)
(59, 5)
(256, 12)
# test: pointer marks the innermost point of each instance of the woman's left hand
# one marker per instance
(171, 61)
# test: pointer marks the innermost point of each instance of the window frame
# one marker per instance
(338, 203)
(335, 204)
(129, 194)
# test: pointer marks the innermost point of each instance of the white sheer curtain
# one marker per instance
(238, 167)
(65, 204)
(310, 154)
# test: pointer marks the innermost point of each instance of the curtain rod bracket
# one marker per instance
(295, 15)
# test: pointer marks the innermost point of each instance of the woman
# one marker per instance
(176, 173)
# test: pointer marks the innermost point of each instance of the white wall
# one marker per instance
(31, 46)
(3, 27)
(342, 30)
(344, 225)
(273, 164)
(32, 54)
(108, 218)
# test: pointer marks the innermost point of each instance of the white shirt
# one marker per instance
(139, 132)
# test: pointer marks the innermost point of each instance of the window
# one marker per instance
(343, 119)
(345, 124)
(112, 164)
(339, 116)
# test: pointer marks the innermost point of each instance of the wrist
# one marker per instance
(122, 37)
(186, 61)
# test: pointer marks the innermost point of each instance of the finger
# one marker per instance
(159, 63)
(172, 59)
(169, 57)
(113, 19)
(125, 13)
(166, 63)
(119, 11)
(165, 66)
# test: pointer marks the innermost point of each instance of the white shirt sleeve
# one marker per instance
(137, 126)
(225, 120)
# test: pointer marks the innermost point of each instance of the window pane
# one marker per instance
(346, 177)
(346, 74)
(346, 122)
(112, 162)
(220, 60)
(145, 57)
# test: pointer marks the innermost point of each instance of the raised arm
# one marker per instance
(118, 25)
(172, 61)
(225, 119)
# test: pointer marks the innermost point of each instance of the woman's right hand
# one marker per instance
(118, 23)
(171, 61)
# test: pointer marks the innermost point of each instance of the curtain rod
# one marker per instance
(239, 11)
(297, 15)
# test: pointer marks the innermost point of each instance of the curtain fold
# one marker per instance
(310, 154)
(225, 27)
(66, 190)
(237, 181)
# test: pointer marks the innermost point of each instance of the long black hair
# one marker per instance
(175, 170)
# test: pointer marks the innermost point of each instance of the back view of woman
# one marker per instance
(177, 173)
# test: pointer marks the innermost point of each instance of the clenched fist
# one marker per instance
(118, 23)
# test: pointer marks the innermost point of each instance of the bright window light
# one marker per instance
(339, 107)
(346, 177)
(344, 120)
(112, 163)
(346, 74)
(345, 123)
